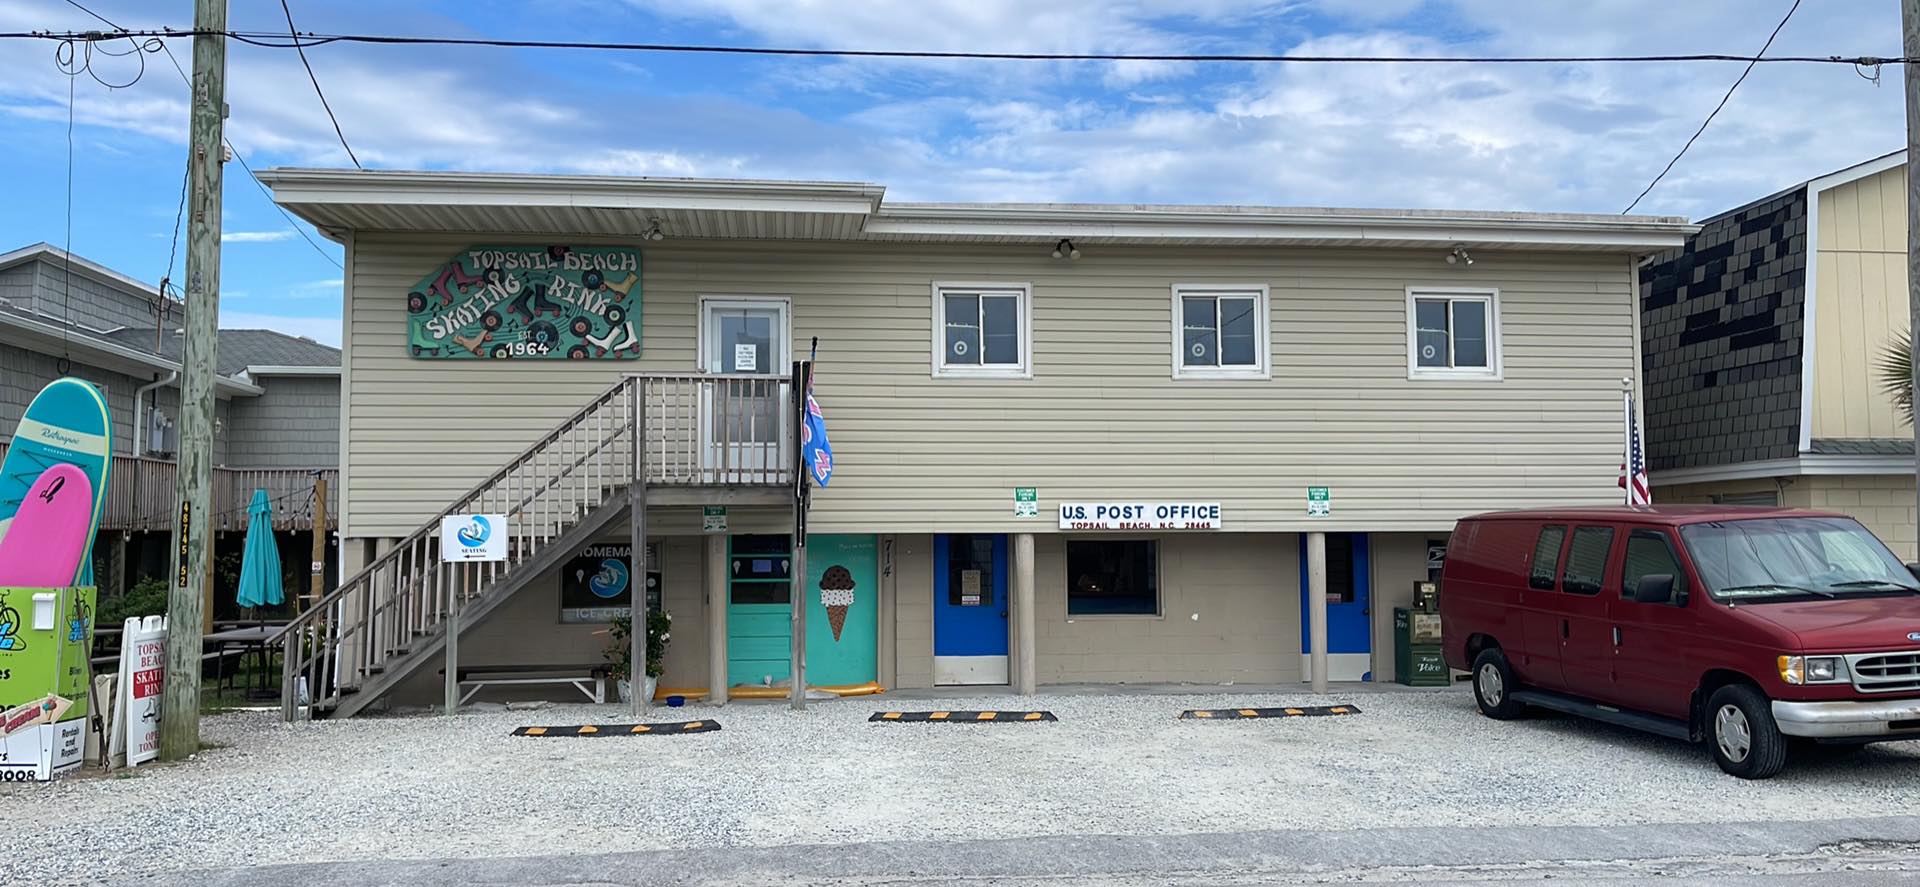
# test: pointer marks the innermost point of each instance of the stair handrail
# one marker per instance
(316, 610)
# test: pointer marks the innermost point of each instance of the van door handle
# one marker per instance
(1616, 635)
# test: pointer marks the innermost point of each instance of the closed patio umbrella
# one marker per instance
(260, 564)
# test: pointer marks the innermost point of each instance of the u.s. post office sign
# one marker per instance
(528, 302)
(1140, 516)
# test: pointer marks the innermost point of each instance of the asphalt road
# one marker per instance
(1864, 852)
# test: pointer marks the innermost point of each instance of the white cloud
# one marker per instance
(325, 330)
(256, 236)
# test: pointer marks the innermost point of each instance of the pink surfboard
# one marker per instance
(49, 533)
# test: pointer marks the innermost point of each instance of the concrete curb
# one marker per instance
(1272, 852)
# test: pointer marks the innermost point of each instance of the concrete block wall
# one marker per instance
(1883, 503)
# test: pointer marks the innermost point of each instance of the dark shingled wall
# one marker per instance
(1720, 334)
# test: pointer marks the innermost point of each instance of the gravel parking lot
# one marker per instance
(422, 787)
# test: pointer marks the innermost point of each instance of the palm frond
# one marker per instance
(1894, 367)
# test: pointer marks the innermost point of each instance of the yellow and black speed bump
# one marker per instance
(1241, 714)
(621, 729)
(962, 717)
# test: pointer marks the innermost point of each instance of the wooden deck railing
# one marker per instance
(140, 495)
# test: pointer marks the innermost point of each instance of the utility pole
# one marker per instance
(193, 482)
(319, 589)
(1910, 48)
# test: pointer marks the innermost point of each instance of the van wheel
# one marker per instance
(1493, 686)
(1742, 734)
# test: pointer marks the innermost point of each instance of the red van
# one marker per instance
(1749, 629)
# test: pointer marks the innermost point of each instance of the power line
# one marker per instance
(149, 46)
(1715, 112)
(275, 40)
(316, 85)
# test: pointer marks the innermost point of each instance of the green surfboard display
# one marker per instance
(69, 422)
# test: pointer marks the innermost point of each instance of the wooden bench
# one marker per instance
(472, 678)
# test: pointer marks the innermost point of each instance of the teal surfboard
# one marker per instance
(68, 422)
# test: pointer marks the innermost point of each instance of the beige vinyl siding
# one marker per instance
(1101, 418)
(1860, 303)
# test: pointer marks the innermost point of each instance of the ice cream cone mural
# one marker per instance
(836, 594)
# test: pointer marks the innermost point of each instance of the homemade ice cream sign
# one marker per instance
(528, 302)
(1139, 515)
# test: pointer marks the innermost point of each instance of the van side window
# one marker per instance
(1546, 557)
(1587, 560)
(1648, 554)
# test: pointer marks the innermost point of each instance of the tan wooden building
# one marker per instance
(1000, 382)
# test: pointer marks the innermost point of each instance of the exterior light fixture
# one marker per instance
(1459, 256)
(1065, 250)
(654, 231)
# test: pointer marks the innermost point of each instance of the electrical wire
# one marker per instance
(1716, 109)
(316, 85)
(274, 40)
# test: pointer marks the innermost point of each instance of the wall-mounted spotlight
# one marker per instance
(1459, 256)
(654, 231)
(1065, 250)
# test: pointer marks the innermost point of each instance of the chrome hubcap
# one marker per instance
(1731, 731)
(1492, 689)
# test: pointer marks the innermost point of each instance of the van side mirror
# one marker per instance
(1914, 569)
(1654, 588)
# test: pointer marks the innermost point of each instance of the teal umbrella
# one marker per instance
(260, 565)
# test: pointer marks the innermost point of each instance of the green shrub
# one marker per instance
(148, 598)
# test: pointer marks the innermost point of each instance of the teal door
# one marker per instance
(759, 609)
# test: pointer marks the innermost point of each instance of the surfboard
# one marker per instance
(50, 531)
(68, 422)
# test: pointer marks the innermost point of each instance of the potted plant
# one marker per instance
(620, 652)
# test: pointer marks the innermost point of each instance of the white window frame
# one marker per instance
(1493, 371)
(1262, 367)
(938, 339)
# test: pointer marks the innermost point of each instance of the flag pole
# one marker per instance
(1626, 439)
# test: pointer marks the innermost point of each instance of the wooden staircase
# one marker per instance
(387, 621)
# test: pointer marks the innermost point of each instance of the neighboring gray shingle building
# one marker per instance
(1759, 338)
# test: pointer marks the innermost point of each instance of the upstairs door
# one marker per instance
(744, 418)
(969, 608)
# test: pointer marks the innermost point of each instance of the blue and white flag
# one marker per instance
(814, 449)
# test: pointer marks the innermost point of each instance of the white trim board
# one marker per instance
(1802, 466)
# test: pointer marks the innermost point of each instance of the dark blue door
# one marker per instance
(970, 608)
(1349, 608)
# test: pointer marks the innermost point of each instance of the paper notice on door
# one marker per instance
(969, 588)
(746, 358)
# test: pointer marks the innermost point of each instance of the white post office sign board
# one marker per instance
(466, 538)
(1140, 516)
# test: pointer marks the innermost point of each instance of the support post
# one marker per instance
(318, 587)
(1910, 41)
(193, 478)
(1316, 592)
(457, 598)
(637, 506)
(798, 597)
(717, 601)
(1023, 646)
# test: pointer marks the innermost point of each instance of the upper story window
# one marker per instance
(1453, 333)
(1220, 332)
(982, 329)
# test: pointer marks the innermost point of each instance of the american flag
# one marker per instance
(1633, 469)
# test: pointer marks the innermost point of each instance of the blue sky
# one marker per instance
(1551, 138)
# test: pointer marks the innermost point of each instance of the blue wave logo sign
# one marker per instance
(611, 581)
(475, 533)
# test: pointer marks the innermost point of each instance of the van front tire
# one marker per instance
(1742, 734)
(1493, 686)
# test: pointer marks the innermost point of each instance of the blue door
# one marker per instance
(970, 608)
(1349, 609)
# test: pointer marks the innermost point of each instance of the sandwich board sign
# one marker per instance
(468, 538)
(136, 698)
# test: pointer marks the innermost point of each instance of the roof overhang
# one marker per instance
(490, 204)
(1804, 465)
(54, 255)
(29, 333)
(256, 372)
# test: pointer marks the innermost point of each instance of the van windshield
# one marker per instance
(1769, 558)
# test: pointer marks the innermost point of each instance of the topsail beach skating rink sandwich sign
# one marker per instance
(528, 302)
